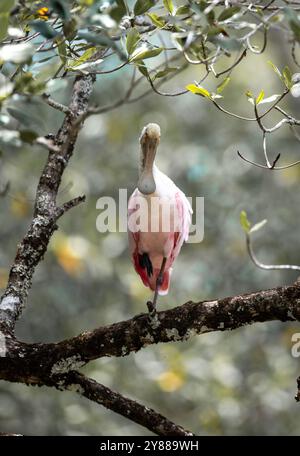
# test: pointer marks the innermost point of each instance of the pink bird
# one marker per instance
(159, 218)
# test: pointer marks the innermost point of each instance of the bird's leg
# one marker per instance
(152, 305)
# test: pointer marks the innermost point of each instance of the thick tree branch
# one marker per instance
(36, 363)
(112, 400)
(34, 245)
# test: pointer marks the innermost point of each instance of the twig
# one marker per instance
(273, 168)
(267, 266)
(69, 205)
(54, 104)
(47, 143)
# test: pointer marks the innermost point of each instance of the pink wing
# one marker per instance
(133, 238)
(185, 211)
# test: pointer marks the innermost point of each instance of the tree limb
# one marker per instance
(36, 363)
(112, 400)
(34, 245)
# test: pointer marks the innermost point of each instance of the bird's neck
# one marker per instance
(147, 170)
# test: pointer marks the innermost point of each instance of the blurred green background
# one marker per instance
(230, 383)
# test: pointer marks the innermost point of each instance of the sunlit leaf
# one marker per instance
(245, 224)
(258, 226)
(169, 6)
(142, 54)
(270, 99)
(260, 97)
(276, 70)
(222, 85)
(156, 20)
(83, 58)
(198, 90)
(287, 77)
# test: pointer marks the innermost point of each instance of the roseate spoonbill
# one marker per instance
(166, 215)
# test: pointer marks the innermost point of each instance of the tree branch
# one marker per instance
(36, 363)
(34, 245)
(112, 400)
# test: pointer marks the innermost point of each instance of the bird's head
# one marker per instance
(149, 141)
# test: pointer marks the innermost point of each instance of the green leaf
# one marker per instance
(260, 97)
(198, 90)
(132, 40)
(6, 87)
(249, 94)
(293, 21)
(70, 29)
(22, 116)
(226, 43)
(162, 73)
(83, 58)
(62, 50)
(4, 21)
(270, 99)
(275, 69)
(228, 12)
(96, 39)
(245, 224)
(287, 77)
(119, 11)
(44, 29)
(28, 136)
(143, 69)
(145, 54)
(6, 5)
(102, 40)
(61, 8)
(142, 6)
(156, 20)
(222, 85)
(184, 9)
(258, 226)
(168, 4)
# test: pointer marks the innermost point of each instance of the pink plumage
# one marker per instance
(166, 221)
